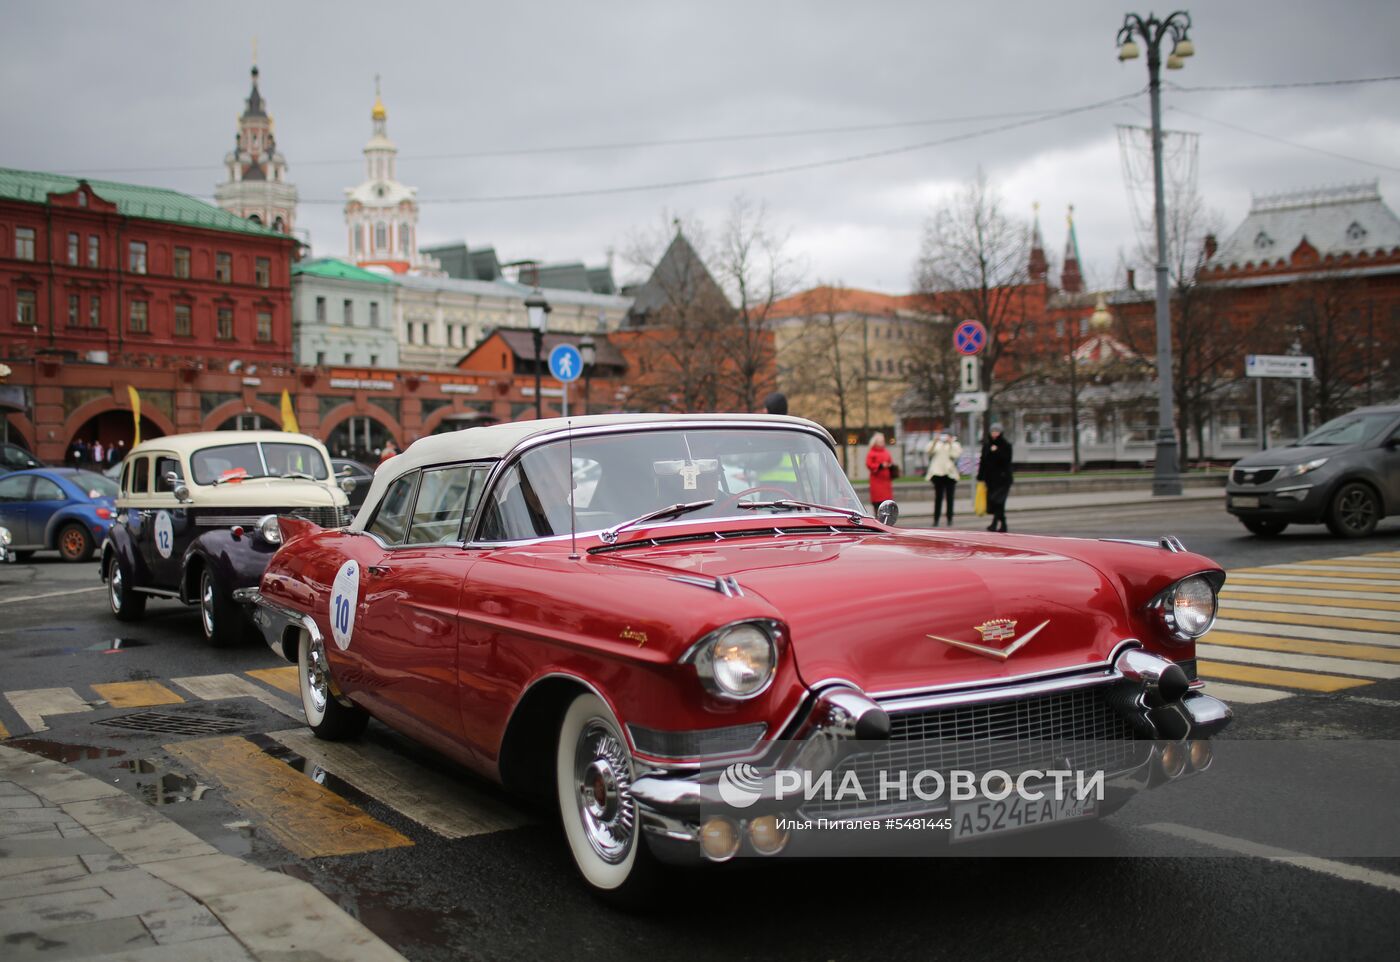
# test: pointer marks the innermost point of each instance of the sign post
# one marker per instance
(565, 364)
(969, 338)
(1299, 367)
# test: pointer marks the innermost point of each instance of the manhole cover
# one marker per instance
(166, 724)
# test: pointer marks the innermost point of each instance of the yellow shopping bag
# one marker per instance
(979, 499)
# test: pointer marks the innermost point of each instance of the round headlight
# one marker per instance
(268, 529)
(5, 537)
(738, 662)
(1193, 606)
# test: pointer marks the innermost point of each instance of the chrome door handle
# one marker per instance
(377, 570)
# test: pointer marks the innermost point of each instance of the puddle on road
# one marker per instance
(60, 752)
(117, 644)
(166, 787)
(107, 647)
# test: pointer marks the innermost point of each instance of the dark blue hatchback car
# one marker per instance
(65, 509)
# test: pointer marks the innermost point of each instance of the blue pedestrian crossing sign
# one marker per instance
(565, 363)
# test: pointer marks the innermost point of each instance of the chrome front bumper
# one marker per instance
(1150, 693)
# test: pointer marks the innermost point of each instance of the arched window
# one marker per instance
(405, 239)
(279, 226)
(381, 236)
(255, 218)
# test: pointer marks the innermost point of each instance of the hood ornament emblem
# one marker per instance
(998, 629)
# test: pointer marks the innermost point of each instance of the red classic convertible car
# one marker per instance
(637, 613)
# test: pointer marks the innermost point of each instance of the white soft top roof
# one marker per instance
(498, 440)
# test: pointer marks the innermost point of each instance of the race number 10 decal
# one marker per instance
(345, 597)
(165, 534)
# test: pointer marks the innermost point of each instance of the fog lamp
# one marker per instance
(765, 835)
(719, 839)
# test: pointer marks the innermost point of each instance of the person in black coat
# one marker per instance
(995, 470)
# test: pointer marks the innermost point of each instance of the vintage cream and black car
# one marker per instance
(197, 519)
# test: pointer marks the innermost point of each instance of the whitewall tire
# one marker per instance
(593, 778)
(325, 715)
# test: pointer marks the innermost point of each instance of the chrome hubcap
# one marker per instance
(602, 783)
(114, 586)
(206, 605)
(318, 686)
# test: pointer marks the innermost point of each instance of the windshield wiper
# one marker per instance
(297, 475)
(675, 510)
(855, 517)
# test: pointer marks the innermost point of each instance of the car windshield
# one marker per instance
(94, 485)
(619, 477)
(271, 459)
(1349, 429)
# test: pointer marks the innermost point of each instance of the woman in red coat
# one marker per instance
(882, 473)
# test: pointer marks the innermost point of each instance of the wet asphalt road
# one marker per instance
(513, 894)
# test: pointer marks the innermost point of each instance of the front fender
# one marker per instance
(236, 562)
(119, 542)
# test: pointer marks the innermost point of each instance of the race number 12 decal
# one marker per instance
(165, 534)
(345, 597)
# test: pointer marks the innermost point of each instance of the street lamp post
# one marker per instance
(537, 309)
(1166, 478)
(588, 350)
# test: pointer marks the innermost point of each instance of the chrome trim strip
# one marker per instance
(724, 584)
(1003, 693)
(162, 592)
(983, 686)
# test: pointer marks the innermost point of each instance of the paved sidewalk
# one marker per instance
(915, 513)
(87, 870)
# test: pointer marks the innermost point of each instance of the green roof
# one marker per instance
(133, 200)
(340, 270)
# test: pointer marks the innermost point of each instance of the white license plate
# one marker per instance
(983, 816)
(1244, 502)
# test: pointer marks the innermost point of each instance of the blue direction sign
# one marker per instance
(970, 337)
(565, 363)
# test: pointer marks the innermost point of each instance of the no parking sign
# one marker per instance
(970, 337)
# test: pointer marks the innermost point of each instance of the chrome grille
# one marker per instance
(327, 517)
(1078, 726)
(1253, 475)
(331, 517)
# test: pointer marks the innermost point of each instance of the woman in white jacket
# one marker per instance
(943, 453)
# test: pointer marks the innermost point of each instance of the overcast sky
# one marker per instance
(150, 93)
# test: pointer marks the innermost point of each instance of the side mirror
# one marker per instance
(1393, 442)
(346, 471)
(887, 513)
(347, 484)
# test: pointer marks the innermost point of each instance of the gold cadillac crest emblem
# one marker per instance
(994, 631)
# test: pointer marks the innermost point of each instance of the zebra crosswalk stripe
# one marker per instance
(1320, 625)
(33, 704)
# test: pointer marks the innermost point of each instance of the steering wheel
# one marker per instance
(734, 499)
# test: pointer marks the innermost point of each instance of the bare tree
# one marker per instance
(933, 366)
(679, 314)
(825, 361)
(1208, 344)
(1327, 317)
(973, 264)
(703, 341)
(754, 266)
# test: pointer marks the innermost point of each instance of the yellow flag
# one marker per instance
(135, 414)
(289, 417)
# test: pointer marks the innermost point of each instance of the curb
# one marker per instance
(271, 915)
(918, 507)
